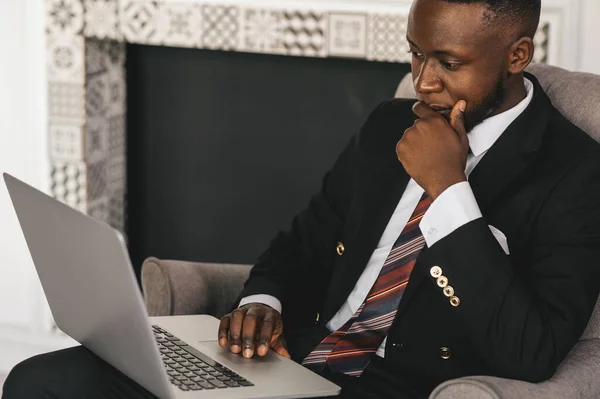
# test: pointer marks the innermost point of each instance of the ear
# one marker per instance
(520, 55)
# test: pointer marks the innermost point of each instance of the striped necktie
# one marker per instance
(350, 349)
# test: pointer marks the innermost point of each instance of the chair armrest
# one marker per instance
(179, 288)
(576, 377)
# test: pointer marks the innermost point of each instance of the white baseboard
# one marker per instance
(18, 344)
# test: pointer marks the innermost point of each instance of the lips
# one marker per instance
(439, 108)
(442, 110)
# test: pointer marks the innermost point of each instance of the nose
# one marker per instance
(427, 82)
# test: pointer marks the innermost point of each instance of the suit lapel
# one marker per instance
(513, 152)
(377, 193)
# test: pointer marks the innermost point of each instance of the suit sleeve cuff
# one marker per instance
(454, 208)
(264, 299)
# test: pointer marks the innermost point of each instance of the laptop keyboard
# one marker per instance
(191, 370)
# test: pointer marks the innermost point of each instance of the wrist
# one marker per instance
(442, 185)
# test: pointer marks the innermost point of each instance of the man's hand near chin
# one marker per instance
(434, 151)
(253, 328)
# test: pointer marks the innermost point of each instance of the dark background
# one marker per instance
(224, 148)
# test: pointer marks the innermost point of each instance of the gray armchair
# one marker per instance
(177, 288)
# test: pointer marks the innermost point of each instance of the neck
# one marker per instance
(515, 93)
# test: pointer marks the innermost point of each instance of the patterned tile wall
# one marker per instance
(387, 41)
(86, 75)
(221, 27)
(304, 33)
(101, 19)
(348, 35)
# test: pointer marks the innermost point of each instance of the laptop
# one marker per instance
(89, 282)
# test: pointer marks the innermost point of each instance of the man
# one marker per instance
(471, 301)
(456, 235)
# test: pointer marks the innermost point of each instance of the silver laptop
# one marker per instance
(88, 279)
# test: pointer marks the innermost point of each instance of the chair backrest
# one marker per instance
(577, 96)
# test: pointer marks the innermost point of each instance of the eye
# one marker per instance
(416, 54)
(451, 66)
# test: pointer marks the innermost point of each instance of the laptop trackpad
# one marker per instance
(213, 348)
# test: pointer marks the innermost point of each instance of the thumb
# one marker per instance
(457, 117)
(279, 346)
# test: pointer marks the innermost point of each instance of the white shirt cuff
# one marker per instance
(454, 208)
(264, 299)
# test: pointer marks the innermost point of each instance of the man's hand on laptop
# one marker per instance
(253, 327)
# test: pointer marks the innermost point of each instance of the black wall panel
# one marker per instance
(224, 148)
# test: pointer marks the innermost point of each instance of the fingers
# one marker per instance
(224, 330)
(265, 335)
(457, 117)
(235, 330)
(422, 110)
(251, 329)
(249, 332)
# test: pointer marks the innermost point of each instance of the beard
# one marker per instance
(487, 107)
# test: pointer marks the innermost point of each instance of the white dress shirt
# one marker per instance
(437, 222)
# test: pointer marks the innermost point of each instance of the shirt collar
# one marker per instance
(484, 135)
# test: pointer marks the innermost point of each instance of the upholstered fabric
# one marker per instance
(577, 377)
(178, 288)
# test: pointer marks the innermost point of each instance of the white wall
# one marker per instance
(589, 50)
(24, 318)
(22, 146)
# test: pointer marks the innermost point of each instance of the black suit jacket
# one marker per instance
(519, 315)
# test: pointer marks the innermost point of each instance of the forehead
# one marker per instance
(436, 25)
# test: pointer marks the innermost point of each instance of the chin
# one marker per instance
(445, 113)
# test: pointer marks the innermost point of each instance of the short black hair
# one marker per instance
(522, 14)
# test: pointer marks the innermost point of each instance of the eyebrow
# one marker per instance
(437, 52)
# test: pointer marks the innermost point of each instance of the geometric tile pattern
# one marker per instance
(221, 25)
(116, 210)
(65, 58)
(96, 139)
(348, 35)
(387, 38)
(86, 71)
(95, 57)
(262, 31)
(101, 19)
(96, 174)
(69, 183)
(98, 209)
(66, 142)
(304, 33)
(179, 24)
(66, 100)
(64, 17)
(138, 21)
(115, 179)
(96, 95)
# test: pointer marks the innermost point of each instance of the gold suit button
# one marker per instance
(317, 317)
(454, 301)
(449, 291)
(340, 248)
(442, 281)
(435, 271)
(445, 353)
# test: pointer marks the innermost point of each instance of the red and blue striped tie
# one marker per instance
(350, 349)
